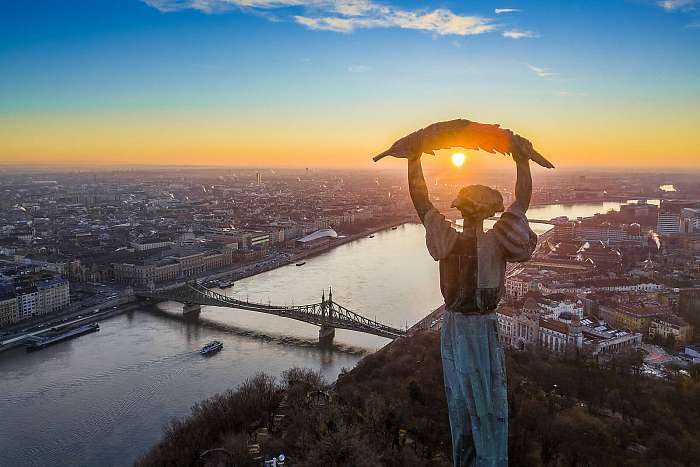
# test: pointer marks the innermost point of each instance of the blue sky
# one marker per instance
(229, 73)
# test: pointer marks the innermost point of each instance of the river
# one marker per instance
(104, 398)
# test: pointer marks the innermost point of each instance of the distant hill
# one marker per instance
(391, 411)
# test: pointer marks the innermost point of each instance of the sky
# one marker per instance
(322, 83)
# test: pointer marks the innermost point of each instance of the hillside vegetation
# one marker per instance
(391, 411)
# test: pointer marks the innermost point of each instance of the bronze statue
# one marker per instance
(472, 274)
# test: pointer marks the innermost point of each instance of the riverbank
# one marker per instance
(266, 264)
(94, 316)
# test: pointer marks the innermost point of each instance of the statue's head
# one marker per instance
(478, 202)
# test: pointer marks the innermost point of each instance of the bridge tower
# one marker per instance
(327, 332)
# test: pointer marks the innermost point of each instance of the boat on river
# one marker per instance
(301, 263)
(211, 348)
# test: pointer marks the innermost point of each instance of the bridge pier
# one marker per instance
(326, 335)
(191, 310)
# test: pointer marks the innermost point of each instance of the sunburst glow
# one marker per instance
(458, 159)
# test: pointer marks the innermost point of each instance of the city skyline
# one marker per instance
(296, 83)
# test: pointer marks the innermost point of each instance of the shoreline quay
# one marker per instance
(132, 303)
(257, 267)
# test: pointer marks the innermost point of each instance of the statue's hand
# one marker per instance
(521, 149)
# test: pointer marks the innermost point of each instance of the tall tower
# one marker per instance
(258, 178)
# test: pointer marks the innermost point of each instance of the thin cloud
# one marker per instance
(572, 94)
(358, 68)
(219, 6)
(542, 72)
(673, 5)
(516, 34)
(354, 7)
(346, 16)
(337, 24)
(500, 11)
(441, 22)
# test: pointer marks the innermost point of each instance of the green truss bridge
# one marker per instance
(326, 314)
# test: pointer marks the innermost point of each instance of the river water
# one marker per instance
(104, 398)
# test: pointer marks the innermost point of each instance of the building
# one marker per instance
(519, 329)
(635, 317)
(604, 258)
(8, 308)
(33, 295)
(554, 335)
(562, 232)
(670, 215)
(535, 325)
(320, 237)
(27, 302)
(174, 264)
(639, 209)
(151, 244)
(671, 327)
(253, 239)
(690, 221)
(609, 234)
(54, 295)
(505, 318)
(689, 304)
(561, 305)
(669, 219)
(517, 287)
(600, 339)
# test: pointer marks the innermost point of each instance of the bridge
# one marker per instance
(455, 215)
(327, 314)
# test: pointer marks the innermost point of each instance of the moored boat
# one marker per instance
(38, 343)
(223, 283)
(301, 263)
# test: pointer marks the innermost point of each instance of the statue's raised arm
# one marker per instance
(521, 148)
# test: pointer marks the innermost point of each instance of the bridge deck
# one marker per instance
(326, 313)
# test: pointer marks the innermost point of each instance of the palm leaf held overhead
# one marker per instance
(464, 134)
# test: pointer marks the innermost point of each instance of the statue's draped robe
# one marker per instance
(472, 275)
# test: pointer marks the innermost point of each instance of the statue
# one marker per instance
(472, 272)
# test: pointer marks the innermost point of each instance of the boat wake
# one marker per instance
(99, 377)
(295, 341)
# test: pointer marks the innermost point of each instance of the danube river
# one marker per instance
(104, 398)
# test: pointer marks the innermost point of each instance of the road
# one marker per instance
(90, 310)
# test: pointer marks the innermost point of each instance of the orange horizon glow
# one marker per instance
(209, 139)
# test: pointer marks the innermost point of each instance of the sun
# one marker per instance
(458, 159)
